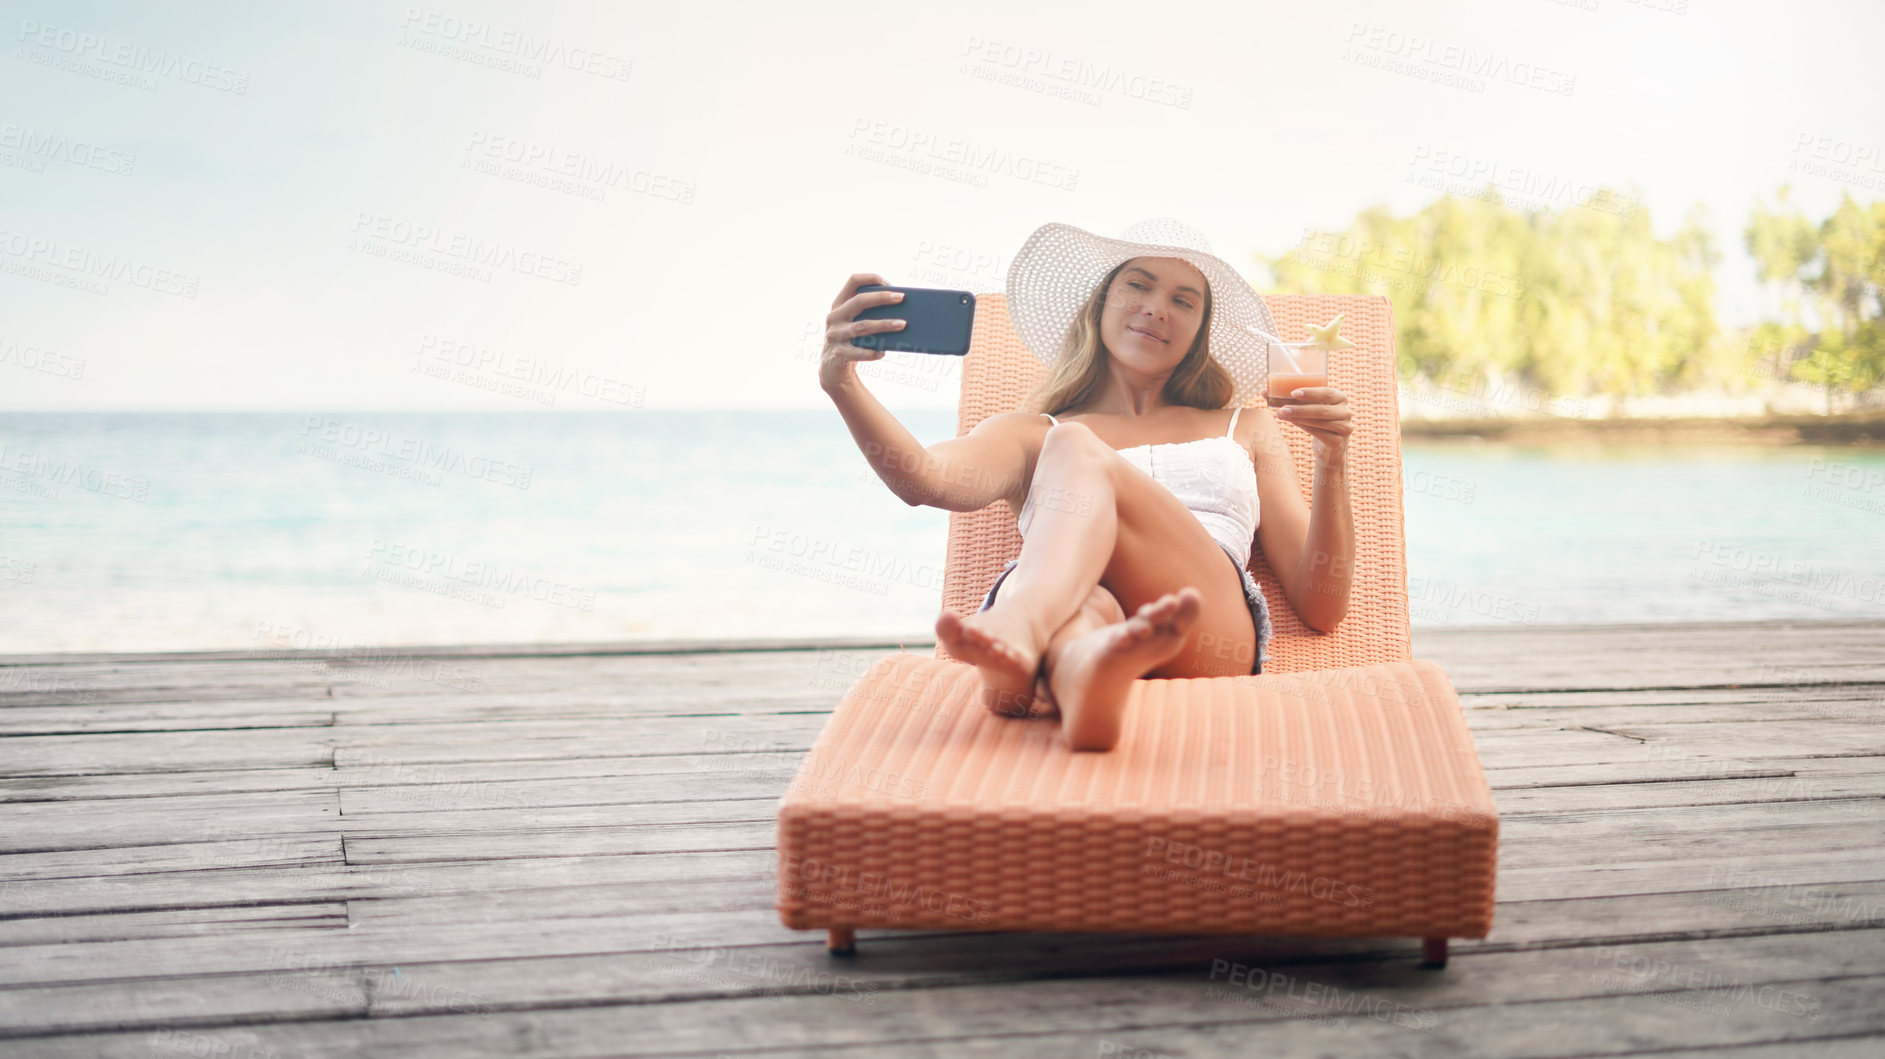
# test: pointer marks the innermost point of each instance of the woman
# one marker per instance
(1132, 473)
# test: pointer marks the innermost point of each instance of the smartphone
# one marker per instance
(935, 321)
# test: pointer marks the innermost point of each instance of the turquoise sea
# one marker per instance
(180, 531)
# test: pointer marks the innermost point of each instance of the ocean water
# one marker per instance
(162, 531)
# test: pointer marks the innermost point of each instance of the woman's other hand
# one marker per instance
(1323, 412)
(837, 365)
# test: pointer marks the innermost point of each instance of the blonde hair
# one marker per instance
(1198, 381)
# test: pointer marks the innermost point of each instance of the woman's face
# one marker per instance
(1152, 313)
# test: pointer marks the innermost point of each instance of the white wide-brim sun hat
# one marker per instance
(1055, 271)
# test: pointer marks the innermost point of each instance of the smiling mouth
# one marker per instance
(1147, 334)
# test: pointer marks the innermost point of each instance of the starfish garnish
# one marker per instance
(1325, 337)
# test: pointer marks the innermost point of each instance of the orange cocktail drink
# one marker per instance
(1299, 365)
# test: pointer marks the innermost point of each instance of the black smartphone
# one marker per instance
(935, 321)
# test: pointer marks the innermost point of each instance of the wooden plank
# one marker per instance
(726, 900)
(393, 679)
(1829, 736)
(398, 745)
(574, 649)
(249, 851)
(1866, 705)
(221, 921)
(1862, 701)
(161, 717)
(490, 935)
(332, 879)
(1521, 1002)
(55, 755)
(756, 828)
(702, 768)
(50, 826)
(1729, 804)
(699, 772)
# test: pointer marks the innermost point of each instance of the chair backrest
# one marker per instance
(999, 372)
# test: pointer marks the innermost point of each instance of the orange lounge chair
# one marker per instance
(1337, 793)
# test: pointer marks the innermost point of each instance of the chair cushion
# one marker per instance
(1334, 802)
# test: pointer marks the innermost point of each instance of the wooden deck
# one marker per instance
(505, 852)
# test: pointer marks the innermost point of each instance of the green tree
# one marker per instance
(1578, 300)
(1829, 276)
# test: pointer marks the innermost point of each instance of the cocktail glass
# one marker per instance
(1294, 365)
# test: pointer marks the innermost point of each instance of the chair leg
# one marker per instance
(841, 941)
(1433, 953)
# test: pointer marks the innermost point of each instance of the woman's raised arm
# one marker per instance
(959, 474)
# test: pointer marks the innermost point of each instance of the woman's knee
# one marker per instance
(1105, 605)
(1068, 435)
(1073, 441)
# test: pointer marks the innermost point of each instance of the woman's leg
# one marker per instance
(1100, 521)
(1054, 574)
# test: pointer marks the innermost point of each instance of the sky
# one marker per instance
(652, 206)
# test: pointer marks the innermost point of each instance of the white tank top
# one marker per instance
(1213, 477)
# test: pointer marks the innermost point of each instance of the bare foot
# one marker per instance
(1095, 671)
(999, 643)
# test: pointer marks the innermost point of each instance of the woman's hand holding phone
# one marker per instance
(837, 366)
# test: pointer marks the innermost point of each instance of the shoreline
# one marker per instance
(924, 645)
(1865, 429)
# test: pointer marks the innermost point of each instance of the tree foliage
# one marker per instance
(1829, 277)
(1585, 299)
